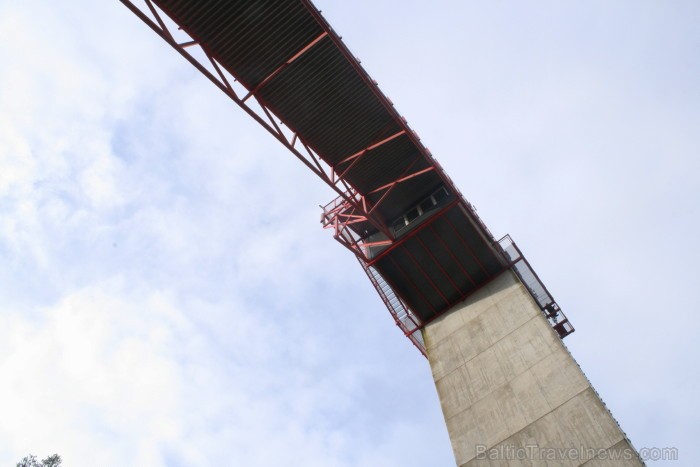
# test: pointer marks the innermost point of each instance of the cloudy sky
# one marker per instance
(167, 296)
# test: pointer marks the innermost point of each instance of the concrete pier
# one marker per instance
(511, 392)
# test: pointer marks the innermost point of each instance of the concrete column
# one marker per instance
(511, 392)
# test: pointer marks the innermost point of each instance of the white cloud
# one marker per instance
(80, 372)
(168, 297)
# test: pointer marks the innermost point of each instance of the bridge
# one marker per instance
(419, 240)
(473, 305)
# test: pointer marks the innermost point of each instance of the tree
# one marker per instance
(30, 461)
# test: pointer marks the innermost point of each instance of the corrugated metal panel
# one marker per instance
(441, 264)
(322, 96)
(251, 37)
(325, 97)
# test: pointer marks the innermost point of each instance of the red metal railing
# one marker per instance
(411, 325)
(402, 314)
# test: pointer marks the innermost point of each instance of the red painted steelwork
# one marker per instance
(403, 317)
(267, 120)
(355, 217)
(418, 229)
(283, 66)
(359, 154)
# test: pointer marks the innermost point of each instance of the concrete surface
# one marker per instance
(511, 392)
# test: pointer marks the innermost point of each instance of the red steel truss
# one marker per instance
(354, 212)
(363, 209)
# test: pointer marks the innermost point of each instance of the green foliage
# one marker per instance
(30, 461)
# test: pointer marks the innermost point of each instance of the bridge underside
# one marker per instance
(290, 61)
(440, 263)
(472, 305)
(419, 240)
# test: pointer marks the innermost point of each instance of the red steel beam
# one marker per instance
(390, 186)
(372, 85)
(417, 229)
(160, 28)
(284, 65)
(402, 179)
(373, 146)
